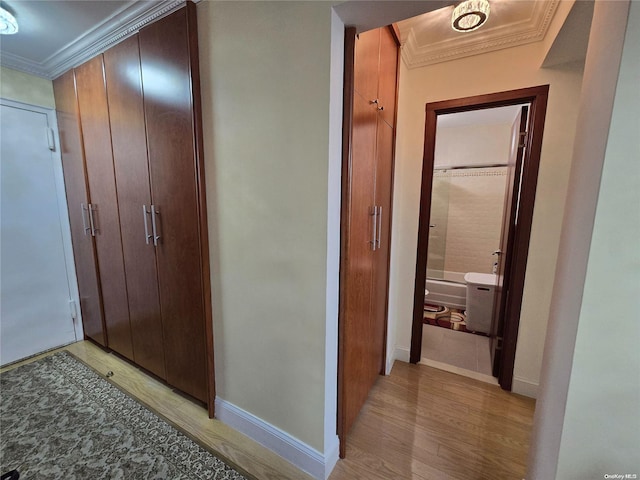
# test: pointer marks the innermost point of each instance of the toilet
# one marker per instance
(480, 294)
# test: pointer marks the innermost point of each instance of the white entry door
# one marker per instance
(37, 278)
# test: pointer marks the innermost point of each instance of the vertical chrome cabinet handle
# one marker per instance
(84, 219)
(374, 227)
(92, 222)
(156, 237)
(147, 235)
(379, 225)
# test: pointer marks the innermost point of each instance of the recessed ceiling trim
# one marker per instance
(519, 33)
(117, 27)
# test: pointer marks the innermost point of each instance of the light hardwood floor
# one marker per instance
(419, 423)
(424, 423)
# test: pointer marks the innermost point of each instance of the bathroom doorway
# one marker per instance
(480, 166)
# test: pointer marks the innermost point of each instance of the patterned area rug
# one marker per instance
(445, 317)
(60, 419)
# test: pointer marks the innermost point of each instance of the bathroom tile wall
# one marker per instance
(474, 221)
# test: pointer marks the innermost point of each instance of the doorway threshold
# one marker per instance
(459, 371)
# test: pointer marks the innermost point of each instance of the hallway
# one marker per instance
(418, 423)
(423, 423)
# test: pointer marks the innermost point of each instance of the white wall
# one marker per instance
(601, 431)
(474, 218)
(472, 144)
(587, 388)
(26, 88)
(265, 70)
(492, 72)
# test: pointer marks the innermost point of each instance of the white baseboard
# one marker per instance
(332, 456)
(300, 454)
(402, 354)
(524, 387)
(399, 353)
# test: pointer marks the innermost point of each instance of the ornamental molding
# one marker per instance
(119, 26)
(463, 45)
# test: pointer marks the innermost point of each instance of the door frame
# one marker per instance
(537, 97)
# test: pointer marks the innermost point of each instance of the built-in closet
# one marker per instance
(130, 126)
(371, 62)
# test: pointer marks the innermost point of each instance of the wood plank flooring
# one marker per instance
(418, 423)
(422, 423)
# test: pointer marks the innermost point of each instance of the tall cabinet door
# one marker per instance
(366, 218)
(387, 77)
(383, 181)
(366, 64)
(166, 76)
(94, 119)
(358, 336)
(128, 138)
(77, 200)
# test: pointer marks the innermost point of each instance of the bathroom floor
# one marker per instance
(457, 352)
(445, 317)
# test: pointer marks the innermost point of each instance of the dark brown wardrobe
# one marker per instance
(371, 62)
(130, 127)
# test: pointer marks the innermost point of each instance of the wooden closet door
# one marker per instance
(383, 182)
(168, 104)
(366, 64)
(387, 76)
(77, 196)
(357, 333)
(94, 119)
(128, 138)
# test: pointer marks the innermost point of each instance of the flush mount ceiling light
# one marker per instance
(8, 24)
(470, 15)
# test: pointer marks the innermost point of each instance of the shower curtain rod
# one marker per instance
(466, 167)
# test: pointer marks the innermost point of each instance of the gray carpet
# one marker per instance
(60, 420)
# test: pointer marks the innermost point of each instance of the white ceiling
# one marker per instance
(56, 35)
(429, 38)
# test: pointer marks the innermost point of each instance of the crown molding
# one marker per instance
(530, 30)
(122, 24)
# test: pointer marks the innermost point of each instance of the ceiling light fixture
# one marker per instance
(8, 24)
(470, 15)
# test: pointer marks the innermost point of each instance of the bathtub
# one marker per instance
(451, 291)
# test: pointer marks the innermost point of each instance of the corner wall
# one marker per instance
(586, 423)
(606, 362)
(265, 69)
(492, 72)
(22, 87)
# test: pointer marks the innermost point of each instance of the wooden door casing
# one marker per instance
(166, 76)
(536, 97)
(74, 172)
(507, 235)
(128, 137)
(94, 119)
